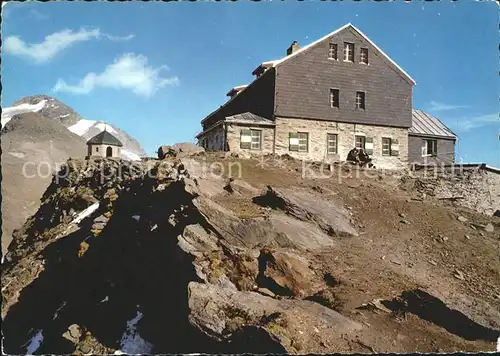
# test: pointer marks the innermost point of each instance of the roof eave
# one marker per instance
(454, 138)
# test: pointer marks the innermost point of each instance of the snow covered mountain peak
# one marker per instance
(7, 113)
(53, 109)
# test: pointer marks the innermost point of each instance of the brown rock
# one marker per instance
(266, 291)
(330, 217)
(83, 248)
(459, 275)
(489, 228)
(291, 272)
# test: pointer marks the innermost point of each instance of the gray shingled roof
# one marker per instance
(104, 138)
(424, 124)
(250, 118)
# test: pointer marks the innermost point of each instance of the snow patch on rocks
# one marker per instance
(7, 113)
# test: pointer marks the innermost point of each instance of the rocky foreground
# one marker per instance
(167, 256)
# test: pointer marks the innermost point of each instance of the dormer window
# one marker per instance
(332, 51)
(348, 52)
(363, 56)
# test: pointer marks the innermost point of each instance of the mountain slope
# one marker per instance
(31, 143)
(269, 262)
(53, 109)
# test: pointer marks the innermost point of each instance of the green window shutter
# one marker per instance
(293, 141)
(369, 145)
(394, 147)
(245, 139)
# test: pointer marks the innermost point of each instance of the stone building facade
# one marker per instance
(319, 102)
(344, 134)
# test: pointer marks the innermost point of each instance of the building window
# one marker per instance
(386, 146)
(334, 98)
(303, 141)
(360, 142)
(331, 140)
(250, 139)
(256, 139)
(97, 149)
(332, 51)
(360, 100)
(348, 52)
(363, 56)
(299, 141)
(429, 148)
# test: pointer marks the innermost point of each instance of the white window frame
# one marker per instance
(332, 138)
(388, 149)
(425, 146)
(303, 146)
(363, 54)
(334, 92)
(333, 51)
(256, 136)
(348, 52)
(360, 101)
(363, 140)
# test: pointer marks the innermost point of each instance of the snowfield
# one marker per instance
(81, 126)
(101, 126)
(7, 113)
(131, 156)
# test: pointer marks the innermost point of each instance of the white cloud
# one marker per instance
(435, 106)
(117, 38)
(53, 44)
(467, 124)
(130, 71)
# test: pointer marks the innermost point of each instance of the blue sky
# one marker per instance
(157, 69)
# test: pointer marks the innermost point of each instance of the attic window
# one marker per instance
(348, 52)
(334, 98)
(363, 56)
(332, 51)
(360, 100)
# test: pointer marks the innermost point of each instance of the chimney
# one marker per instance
(294, 47)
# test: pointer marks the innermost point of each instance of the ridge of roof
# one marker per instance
(302, 49)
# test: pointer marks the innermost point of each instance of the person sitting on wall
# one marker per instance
(364, 158)
(353, 156)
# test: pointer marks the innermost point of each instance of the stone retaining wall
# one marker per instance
(477, 188)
